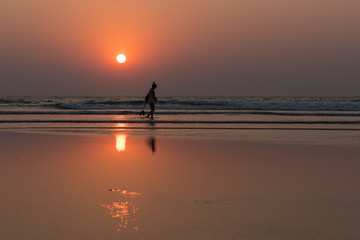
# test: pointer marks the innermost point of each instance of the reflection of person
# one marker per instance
(151, 99)
(151, 143)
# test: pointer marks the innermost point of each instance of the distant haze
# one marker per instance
(202, 47)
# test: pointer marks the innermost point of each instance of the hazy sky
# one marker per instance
(189, 47)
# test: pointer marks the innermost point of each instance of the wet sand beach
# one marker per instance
(128, 186)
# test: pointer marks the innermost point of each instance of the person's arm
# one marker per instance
(155, 97)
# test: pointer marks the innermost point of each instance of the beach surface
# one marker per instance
(144, 185)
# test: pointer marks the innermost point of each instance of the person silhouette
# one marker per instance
(151, 99)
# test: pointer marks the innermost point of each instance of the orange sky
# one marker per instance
(230, 47)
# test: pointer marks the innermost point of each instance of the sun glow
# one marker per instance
(121, 58)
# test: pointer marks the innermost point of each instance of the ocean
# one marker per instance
(192, 113)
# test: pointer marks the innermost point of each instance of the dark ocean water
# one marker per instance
(235, 104)
(182, 112)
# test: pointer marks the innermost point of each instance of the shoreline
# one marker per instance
(300, 136)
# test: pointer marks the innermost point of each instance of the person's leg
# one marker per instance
(151, 113)
(152, 110)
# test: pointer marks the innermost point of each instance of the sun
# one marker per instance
(121, 58)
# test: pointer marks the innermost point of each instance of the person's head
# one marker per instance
(153, 85)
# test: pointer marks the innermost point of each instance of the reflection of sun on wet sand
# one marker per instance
(120, 136)
(124, 210)
(120, 142)
(126, 193)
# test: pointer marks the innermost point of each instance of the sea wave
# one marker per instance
(178, 121)
(216, 105)
(187, 103)
(186, 112)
